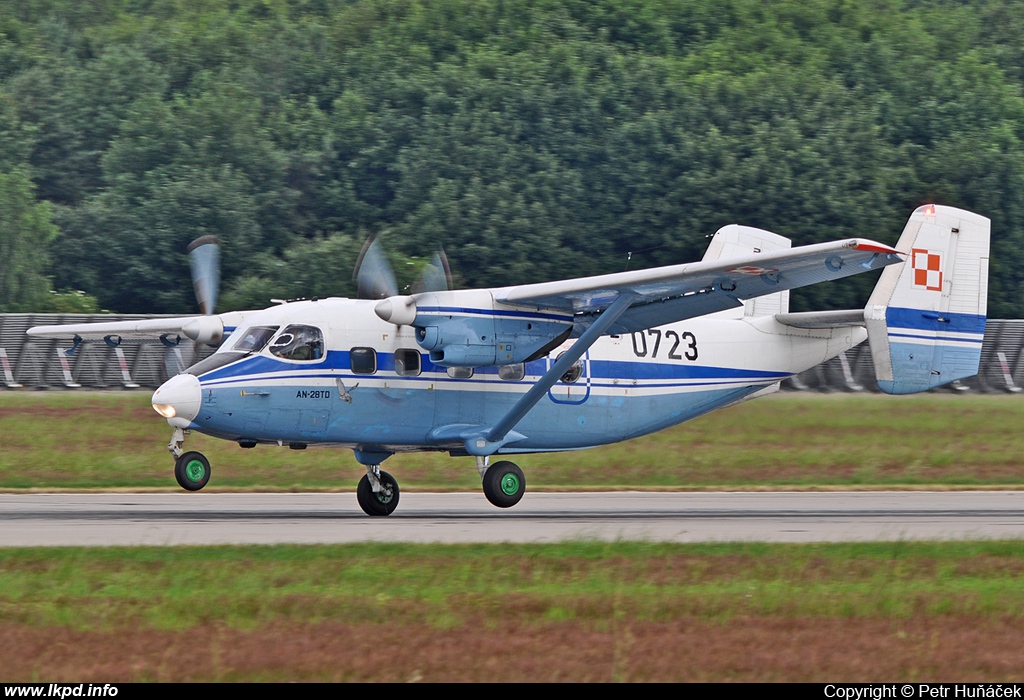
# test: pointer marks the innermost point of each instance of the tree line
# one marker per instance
(532, 139)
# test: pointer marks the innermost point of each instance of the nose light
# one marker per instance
(165, 409)
(178, 400)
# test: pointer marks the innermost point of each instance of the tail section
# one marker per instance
(926, 317)
(735, 241)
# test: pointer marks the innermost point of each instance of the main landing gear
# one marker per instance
(504, 482)
(191, 469)
(380, 498)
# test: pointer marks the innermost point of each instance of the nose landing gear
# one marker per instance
(191, 469)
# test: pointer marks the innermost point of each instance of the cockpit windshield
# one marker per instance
(255, 339)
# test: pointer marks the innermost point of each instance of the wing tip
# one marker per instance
(873, 247)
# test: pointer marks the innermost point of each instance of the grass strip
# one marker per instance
(447, 585)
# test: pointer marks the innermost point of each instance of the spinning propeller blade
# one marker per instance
(204, 258)
(373, 274)
(437, 275)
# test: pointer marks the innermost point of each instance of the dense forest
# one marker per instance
(533, 139)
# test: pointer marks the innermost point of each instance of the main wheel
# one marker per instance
(192, 470)
(504, 484)
(384, 501)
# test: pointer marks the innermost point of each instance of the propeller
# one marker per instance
(436, 275)
(375, 279)
(204, 258)
(373, 274)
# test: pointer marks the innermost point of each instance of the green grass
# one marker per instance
(444, 585)
(89, 440)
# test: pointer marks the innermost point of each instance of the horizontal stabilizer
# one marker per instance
(823, 319)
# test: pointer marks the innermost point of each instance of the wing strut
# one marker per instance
(489, 441)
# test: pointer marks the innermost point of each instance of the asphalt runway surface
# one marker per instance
(212, 518)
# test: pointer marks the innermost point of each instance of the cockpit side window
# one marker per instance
(303, 343)
(255, 339)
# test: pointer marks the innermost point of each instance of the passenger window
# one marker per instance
(363, 360)
(574, 372)
(460, 372)
(304, 343)
(407, 363)
(512, 373)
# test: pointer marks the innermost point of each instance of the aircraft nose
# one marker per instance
(178, 399)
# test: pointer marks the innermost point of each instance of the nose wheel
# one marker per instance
(504, 484)
(192, 470)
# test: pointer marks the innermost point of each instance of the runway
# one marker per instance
(210, 518)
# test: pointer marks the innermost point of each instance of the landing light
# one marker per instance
(164, 409)
(929, 210)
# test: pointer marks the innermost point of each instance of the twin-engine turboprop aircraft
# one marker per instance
(559, 365)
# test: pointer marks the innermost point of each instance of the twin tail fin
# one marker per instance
(926, 317)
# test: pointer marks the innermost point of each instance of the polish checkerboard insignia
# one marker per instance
(927, 269)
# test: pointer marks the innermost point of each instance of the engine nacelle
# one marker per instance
(205, 329)
(467, 329)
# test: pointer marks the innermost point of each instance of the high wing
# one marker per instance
(631, 301)
(674, 293)
(203, 329)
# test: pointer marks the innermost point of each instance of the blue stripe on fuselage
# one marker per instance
(338, 361)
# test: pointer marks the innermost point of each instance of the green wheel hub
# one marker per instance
(195, 470)
(509, 484)
(504, 484)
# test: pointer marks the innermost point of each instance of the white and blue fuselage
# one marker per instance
(371, 387)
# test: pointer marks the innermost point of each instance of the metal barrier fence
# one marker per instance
(43, 364)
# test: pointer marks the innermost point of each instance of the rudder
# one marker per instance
(926, 318)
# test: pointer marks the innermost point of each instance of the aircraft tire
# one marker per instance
(378, 504)
(504, 484)
(192, 470)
